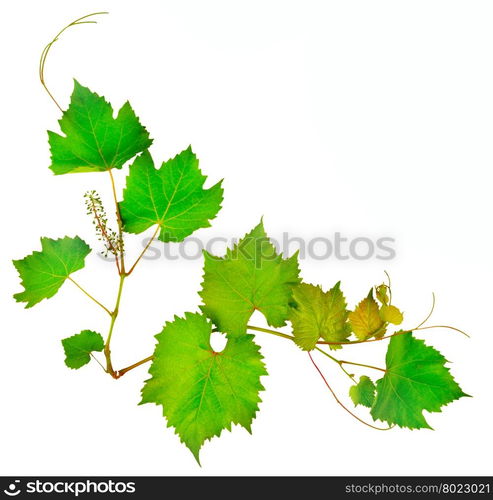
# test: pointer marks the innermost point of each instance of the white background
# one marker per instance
(372, 118)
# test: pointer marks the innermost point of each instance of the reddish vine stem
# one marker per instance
(290, 337)
(351, 342)
(342, 362)
(120, 373)
(341, 403)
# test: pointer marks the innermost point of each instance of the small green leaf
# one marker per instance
(94, 141)
(43, 273)
(416, 379)
(363, 393)
(251, 276)
(172, 196)
(319, 314)
(390, 314)
(201, 391)
(365, 319)
(78, 348)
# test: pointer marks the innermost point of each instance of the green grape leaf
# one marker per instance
(365, 320)
(78, 348)
(94, 141)
(363, 393)
(172, 196)
(43, 273)
(391, 314)
(382, 294)
(203, 392)
(319, 314)
(416, 379)
(251, 276)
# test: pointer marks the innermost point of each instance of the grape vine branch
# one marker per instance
(203, 392)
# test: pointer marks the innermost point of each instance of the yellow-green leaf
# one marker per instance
(252, 276)
(391, 314)
(382, 294)
(365, 320)
(319, 314)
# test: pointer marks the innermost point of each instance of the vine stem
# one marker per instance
(123, 371)
(341, 403)
(290, 337)
(145, 250)
(352, 342)
(338, 362)
(342, 362)
(271, 332)
(89, 295)
(114, 316)
(120, 373)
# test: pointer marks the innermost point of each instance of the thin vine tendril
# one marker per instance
(46, 51)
